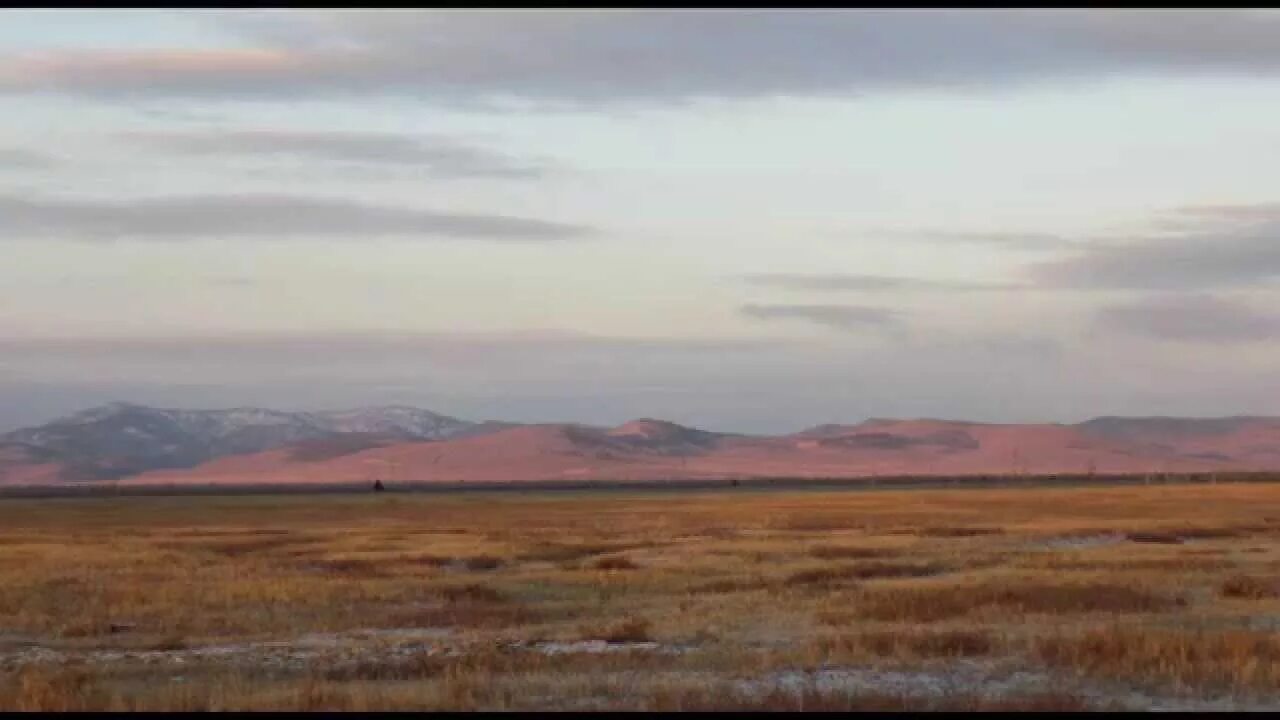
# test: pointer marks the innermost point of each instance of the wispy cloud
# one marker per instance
(597, 57)
(1033, 241)
(257, 216)
(232, 281)
(25, 159)
(1206, 247)
(441, 156)
(846, 318)
(444, 343)
(490, 359)
(871, 283)
(1192, 318)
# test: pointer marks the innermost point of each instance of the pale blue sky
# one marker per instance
(751, 221)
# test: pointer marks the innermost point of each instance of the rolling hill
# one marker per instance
(134, 444)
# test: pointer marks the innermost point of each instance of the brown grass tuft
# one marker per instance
(466, 606)
(729, 586)
(812, 699)
(483, 562)
(1202, 660)
(632, 629)
(839, 552)
(819, 576)
(948, 532)
(1154, 538)
(346, 566)
(813, 523)
(869, 571)
(172, 642)
(464, 615)
(436, 561)
(1249, 587)
(472, 593)
(910, 643)
(44, 689)
(615, 562)
(557, 553)
(931, 604)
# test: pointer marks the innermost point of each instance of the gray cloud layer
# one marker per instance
(23, 158)
(1211, 247)
(870, 283)
(1194, 318)
(1003, 240)
(441, 156)
(422, 344)
(847, 318)
(266, 216)
(610, 56)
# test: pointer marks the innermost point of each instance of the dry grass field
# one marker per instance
(1162, 597)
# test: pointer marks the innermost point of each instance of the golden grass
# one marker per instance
(615, 562)
(1217, 660)
(628, 630)
(814, 700)
(907, 643)
(1250, 587)
(836, 574)
(728, 585)
(430, 686)
(38, 689)
(838, 552)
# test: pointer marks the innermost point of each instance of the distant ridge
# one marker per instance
(121, 439)
(136, 444)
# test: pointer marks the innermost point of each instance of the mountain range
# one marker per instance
(135, 444)
(123, 439)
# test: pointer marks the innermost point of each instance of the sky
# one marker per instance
(752, 221)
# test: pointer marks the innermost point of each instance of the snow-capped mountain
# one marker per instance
(409, 422)
(123, 438)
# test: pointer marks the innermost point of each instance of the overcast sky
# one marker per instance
(752, 221)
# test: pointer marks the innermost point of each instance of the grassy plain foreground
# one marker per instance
(1085, 598)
